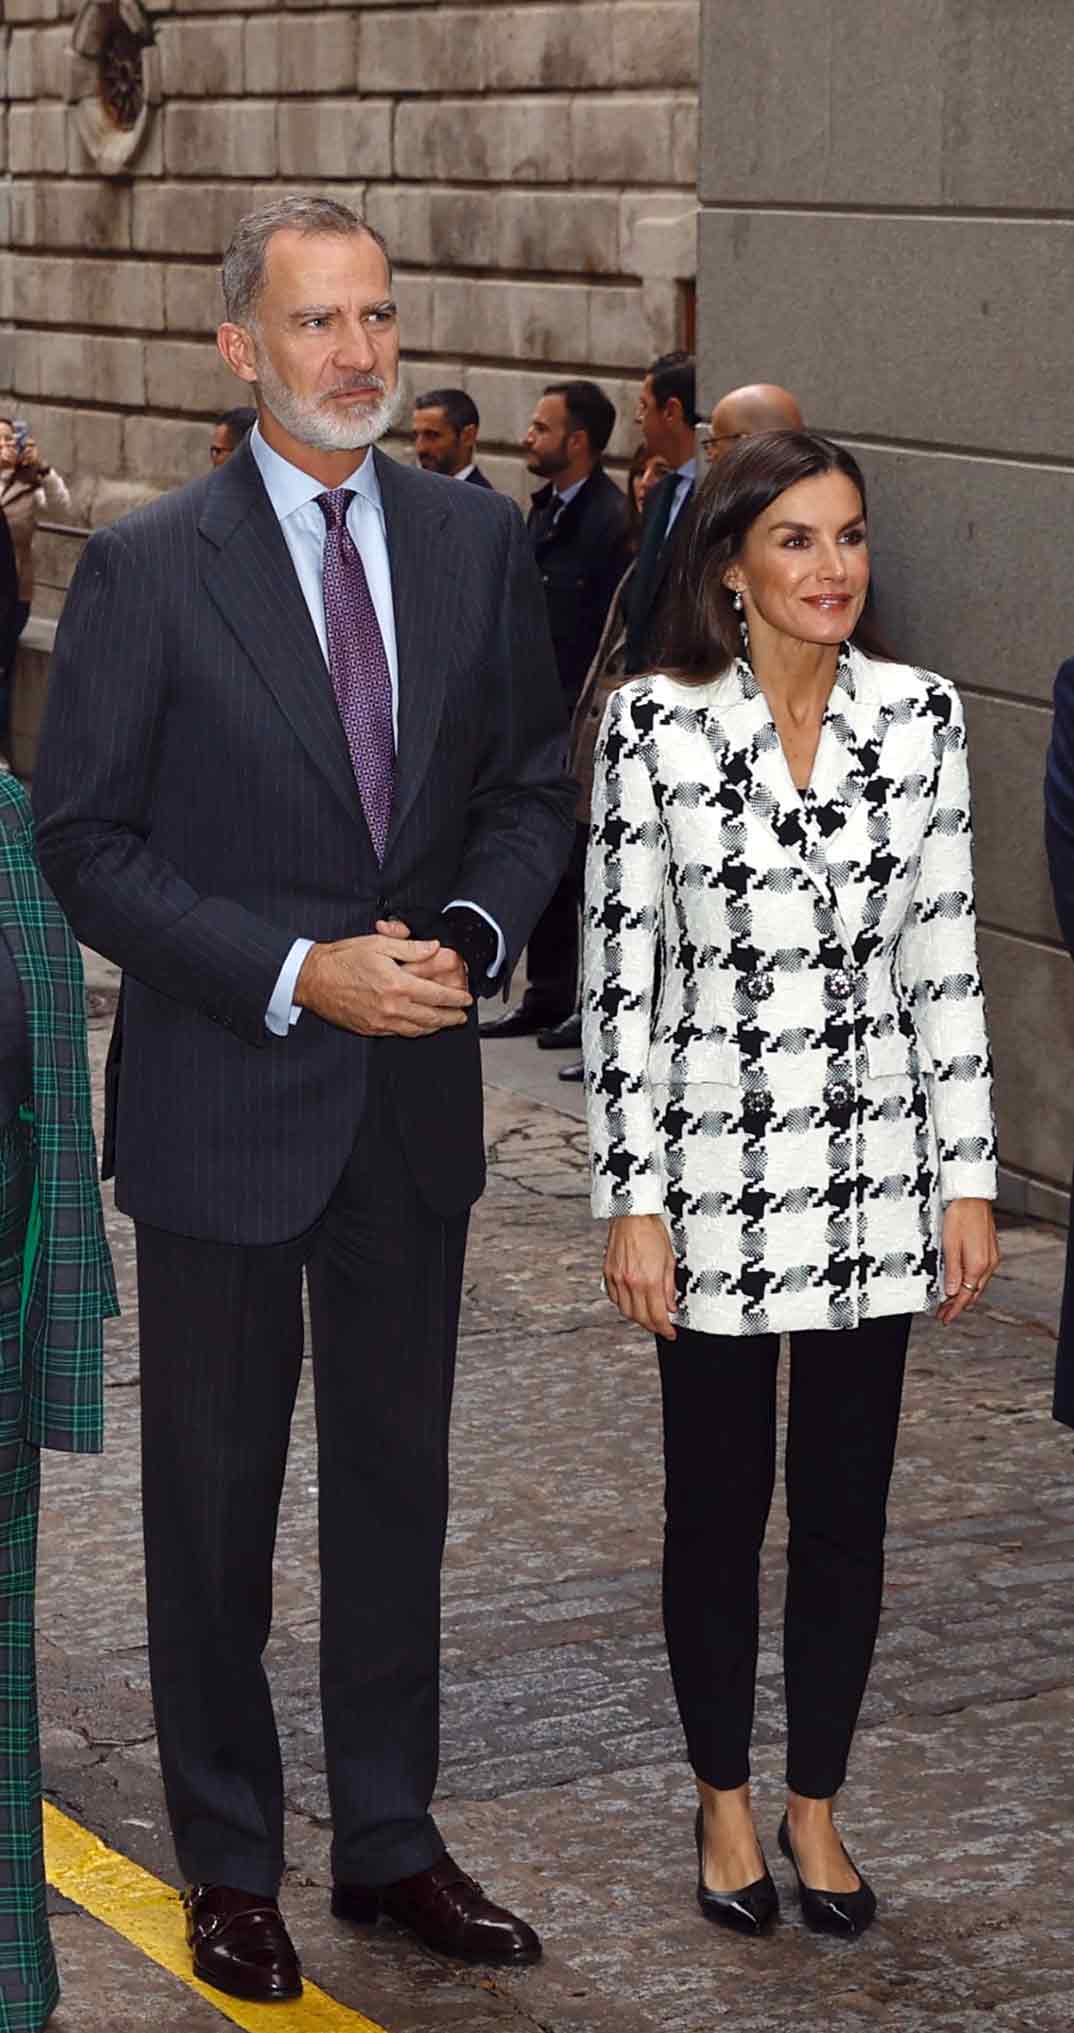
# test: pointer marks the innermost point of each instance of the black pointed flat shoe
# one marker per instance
(746, 1912)
(843, 1913)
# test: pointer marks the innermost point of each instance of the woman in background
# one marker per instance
(605, 675)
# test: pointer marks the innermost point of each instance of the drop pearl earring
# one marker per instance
(743, 625)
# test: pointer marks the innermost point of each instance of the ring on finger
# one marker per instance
(967, 1287)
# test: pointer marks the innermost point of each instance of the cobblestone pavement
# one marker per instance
(563, 1783)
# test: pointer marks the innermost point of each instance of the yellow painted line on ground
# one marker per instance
(147, 1913)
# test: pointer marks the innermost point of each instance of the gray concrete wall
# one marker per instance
(887, 226)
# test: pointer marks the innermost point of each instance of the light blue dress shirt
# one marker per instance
(687, 476)
(293, 495)
(566, 494)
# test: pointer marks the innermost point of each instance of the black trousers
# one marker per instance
(719, 1396)
(221, 1353)
(552, 951)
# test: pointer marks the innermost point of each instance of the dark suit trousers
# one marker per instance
(719, 1395)
(221, 1352)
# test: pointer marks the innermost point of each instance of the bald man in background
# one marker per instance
(760, 406)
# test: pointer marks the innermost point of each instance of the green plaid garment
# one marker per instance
(69, 1288)
(29, 1985)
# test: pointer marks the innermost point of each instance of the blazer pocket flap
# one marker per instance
(715, 1058)
(889, 1056)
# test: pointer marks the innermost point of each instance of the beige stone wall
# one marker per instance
(532, 166)
(888, 228)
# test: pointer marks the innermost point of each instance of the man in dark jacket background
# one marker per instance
(667, 417)
(578, 527)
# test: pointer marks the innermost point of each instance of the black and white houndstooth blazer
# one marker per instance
(783, 1023)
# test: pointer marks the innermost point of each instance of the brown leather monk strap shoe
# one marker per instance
(447, 1911)
(240, 1944)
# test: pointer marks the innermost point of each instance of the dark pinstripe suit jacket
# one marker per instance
(197, 811)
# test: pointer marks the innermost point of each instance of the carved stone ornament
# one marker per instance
(113, 81)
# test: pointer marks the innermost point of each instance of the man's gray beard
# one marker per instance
(315, 424)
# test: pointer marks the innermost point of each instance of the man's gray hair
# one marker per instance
(242, 274)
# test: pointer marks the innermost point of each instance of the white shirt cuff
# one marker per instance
(463, 903)
(283, 1011)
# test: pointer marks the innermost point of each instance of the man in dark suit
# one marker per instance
(1059, 839)
(301, 777)
(667, 414)
(578, 527)
(445, 425)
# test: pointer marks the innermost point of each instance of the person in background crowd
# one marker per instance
(578, 528)
(56, 1290)
(1059, 840)
(29, 488)
(667, 415)
(760, 406)
(791, 1131)
(445, 424)
(604, 674)
(302, 777)
(228, 433)
(643, 473)
(743, 413)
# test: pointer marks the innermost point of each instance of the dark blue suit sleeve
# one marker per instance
(1059, 802)
(93, 802)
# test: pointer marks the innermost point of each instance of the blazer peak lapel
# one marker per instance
(248, 574)
(769, 790)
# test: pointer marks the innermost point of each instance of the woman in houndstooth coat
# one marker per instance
(789, 1091)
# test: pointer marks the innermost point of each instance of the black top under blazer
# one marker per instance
(197, 811)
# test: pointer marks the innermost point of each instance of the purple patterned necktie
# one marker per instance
(361, 679)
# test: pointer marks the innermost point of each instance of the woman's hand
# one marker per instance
(639, 1272)
(970, 1255)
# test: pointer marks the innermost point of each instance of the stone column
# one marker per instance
(887, 199)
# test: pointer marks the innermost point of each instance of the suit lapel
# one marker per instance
(249, 575)
(423, 553)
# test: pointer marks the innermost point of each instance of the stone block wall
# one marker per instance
(532, 166)
(888, 228)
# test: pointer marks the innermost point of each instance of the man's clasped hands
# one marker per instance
(386, 983)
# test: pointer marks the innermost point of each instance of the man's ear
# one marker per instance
(237, 347)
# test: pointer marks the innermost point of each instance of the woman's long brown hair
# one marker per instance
(703, 635)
